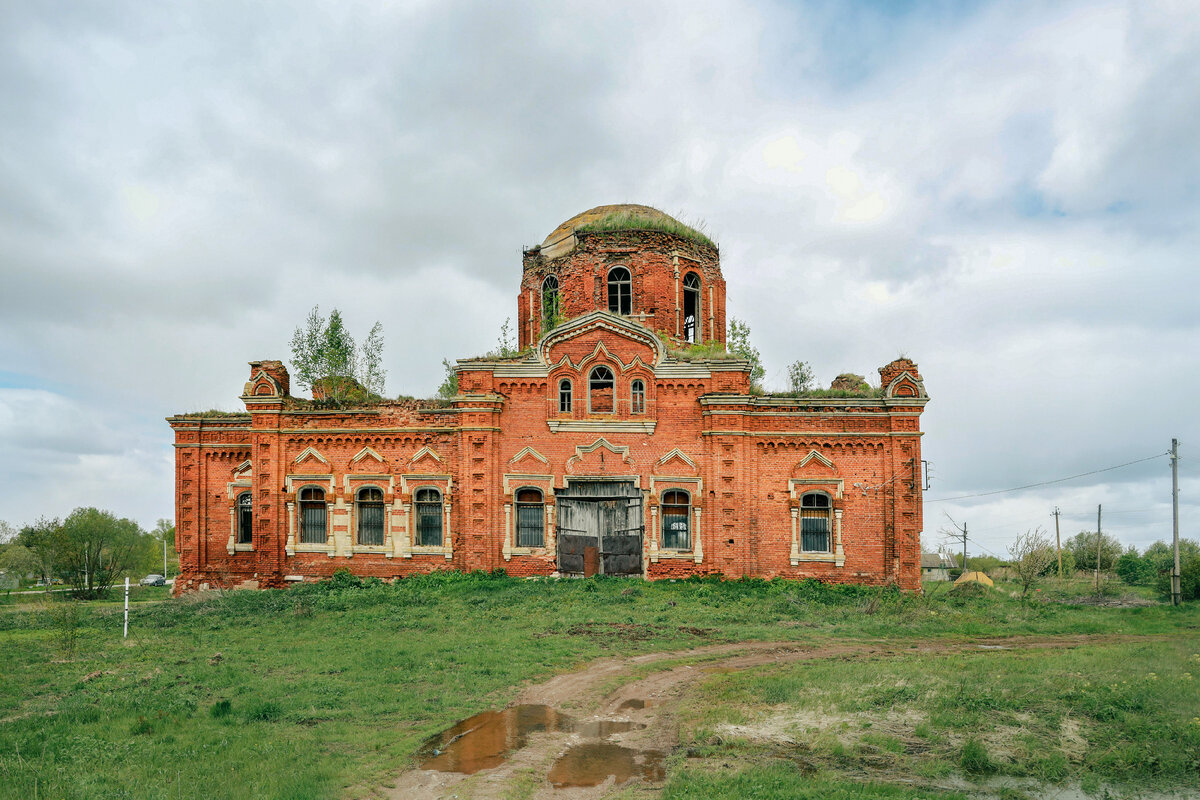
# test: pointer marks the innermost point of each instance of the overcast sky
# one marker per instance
(1007, 193)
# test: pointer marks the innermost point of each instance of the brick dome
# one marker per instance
(622, 216)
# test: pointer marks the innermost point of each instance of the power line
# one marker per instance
(1047, 483)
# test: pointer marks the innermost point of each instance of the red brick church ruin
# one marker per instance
(608, 444)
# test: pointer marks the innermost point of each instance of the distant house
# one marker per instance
(935, 567)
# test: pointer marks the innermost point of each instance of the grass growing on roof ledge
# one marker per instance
(630, 220)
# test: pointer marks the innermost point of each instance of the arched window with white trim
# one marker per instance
(369, 510)
(637, 397)
(815, 512)
(531, 518)
(564, 396)
(676, 507)
(245, 518)
(312, 515)
(428, 506)
(600, 391)
(620, 291)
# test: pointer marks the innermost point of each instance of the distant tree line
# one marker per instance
(1150, 567)
(89, 550)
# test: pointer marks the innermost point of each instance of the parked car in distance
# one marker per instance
(154, 580)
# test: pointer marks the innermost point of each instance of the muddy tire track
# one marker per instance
(605, 690)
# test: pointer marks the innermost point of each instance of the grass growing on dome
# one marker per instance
(632, 220)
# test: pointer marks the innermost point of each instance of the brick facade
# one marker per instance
(744, 463)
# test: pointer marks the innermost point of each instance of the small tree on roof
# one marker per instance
(324, 355)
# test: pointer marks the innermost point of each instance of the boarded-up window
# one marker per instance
(675, 508)
(531, 519)
(429, 517)
(600, 391)
(814, 522)
(245, 512)
(312, 515)
(370, 516)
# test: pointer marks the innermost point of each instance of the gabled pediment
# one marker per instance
(675, 462)
(611, 330)
(814, 464)
(426, 453)
(365, 453)
(310, 453)
(243, 469)
(528, 454)
(601, 457)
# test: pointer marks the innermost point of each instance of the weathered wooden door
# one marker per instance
(606, 515)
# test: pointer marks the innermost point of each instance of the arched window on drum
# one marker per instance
(691, 307)
(620, 291)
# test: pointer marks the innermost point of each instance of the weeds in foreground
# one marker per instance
(282, 710)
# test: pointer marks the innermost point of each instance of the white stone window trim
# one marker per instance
(838, 555)
(292, 484)
(235, 489)
(512, 484)
(369, 482)
(410, 485)
(659, 485)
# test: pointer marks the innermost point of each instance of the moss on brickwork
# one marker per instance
(634, 220)
(213, 413)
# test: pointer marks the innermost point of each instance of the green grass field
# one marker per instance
(326, 690)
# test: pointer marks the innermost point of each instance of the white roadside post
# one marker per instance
(125, 635)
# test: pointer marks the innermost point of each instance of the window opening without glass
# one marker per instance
(549, 303)
(531, 519)
(676, 533)
(691, 307)
(600, 391)
(620, 291)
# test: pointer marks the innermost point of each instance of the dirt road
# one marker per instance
(634, 696)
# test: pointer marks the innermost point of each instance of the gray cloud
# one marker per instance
(1005, 192)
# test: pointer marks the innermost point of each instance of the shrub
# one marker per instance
(1189, 579)
(1134, 569)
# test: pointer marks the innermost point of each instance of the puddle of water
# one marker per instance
(633, 702)
(591, 763)
(603, 728)
(485, 740)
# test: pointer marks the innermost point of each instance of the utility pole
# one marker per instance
(1176, 589)
(1097, 550)
(1058, 541)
